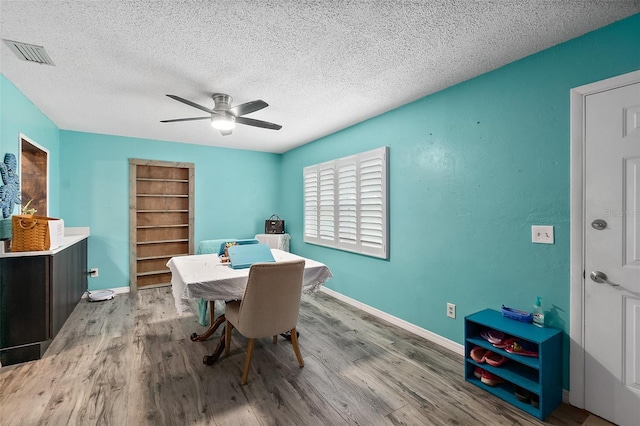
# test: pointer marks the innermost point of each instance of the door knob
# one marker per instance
(601, 277)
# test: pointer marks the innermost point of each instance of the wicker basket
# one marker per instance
(30, 233)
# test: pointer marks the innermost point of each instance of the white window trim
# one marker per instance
(322, 183)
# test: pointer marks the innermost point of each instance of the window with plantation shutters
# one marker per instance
(326, 202)
(345, 203)
(311, 203)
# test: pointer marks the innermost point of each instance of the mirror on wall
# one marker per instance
(34, 176)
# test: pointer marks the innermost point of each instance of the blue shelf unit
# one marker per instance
(540, 375)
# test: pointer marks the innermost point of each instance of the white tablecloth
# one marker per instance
(275, 241)
(203, 276)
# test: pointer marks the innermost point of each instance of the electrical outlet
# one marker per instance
(93, 272)
(542, 234)
(451, 310)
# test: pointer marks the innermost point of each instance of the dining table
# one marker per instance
(207, 277)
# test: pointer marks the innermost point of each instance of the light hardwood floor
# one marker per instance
(129, 361)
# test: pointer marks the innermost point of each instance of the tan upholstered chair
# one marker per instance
(270, 306)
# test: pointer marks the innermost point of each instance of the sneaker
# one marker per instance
(522, 394)
(535, 400)
(478, 372)
(520, 347)
(491, 379)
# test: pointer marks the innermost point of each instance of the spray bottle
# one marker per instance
(538, 313)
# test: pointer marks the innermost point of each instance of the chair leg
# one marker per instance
(275, 338)
(296, 349)
(247, 361)
(228, 327)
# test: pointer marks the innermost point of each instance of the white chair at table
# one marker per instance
(270, 306)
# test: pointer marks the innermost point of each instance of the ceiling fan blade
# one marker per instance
(185, 119)
(248, 107)
(193, 104)
(258, 123)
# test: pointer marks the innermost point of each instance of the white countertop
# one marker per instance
(71, 237)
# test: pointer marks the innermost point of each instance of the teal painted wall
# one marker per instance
(18, 115)
(471, 169)
(234, 193)
(89, 183)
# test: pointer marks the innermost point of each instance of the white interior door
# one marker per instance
(612, 248)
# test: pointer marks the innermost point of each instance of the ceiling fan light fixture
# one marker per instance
(223, 122)
(224, 117)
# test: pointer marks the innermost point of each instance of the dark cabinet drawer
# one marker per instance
(24, 300)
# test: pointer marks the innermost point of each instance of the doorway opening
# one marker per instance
(34, 176)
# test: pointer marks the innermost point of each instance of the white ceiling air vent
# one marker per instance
(29, 52)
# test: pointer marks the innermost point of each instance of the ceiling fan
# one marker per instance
(224, 117)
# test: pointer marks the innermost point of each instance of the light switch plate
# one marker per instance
(542, 234)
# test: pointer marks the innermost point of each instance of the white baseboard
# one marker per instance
(435, 338)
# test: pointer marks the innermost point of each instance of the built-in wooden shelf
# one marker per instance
(164, 195)
(167, 256)
(163, 211)
(146, 274)
(161, 218)
(163, 241)
(162, 180)
(179, 225)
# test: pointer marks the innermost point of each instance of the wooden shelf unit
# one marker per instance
(541, 375)
(161, 218)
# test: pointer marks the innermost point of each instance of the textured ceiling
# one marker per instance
(321, 65)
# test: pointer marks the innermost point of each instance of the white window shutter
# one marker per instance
(310, 203)
(327, 197)
(348, 203)
(373, 203)
(345, 203)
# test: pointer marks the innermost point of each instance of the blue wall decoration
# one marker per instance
(10, 191)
